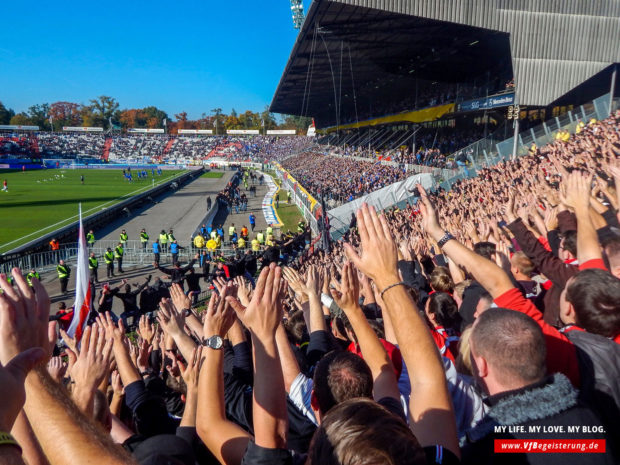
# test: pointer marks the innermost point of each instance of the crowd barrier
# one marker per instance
(134, 255)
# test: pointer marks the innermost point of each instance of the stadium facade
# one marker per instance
(361, 64)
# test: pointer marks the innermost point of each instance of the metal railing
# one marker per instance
(134, 255)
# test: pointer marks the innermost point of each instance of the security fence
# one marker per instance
(134, 255)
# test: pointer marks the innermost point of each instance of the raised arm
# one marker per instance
(262, 318)
(65, 434)
(432, 415)
(347, 298)
(172, 321)
(91, 367)
(488, 274)
(576, 195)
(225, 440)
(128, 371)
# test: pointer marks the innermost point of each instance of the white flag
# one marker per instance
(81, 308)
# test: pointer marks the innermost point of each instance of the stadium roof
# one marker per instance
(356, 53)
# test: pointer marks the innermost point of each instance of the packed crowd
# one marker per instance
(436, 334)
(274, 148)
(55, 144)
(154, 147)
(15, 145)
(340, 179)
(431, 149)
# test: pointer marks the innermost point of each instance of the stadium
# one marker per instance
(411, 255)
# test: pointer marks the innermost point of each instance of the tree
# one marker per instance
(183, 122)
(232, 122)
(268, 119)
(39, 114)
(103, 108)
(5, 114)
(250, 120)
(218, 122)
(299, 123)
(155, 117)
(233, 113)
(88, 116)
(20, 119)
(65, 114)
(132, 118)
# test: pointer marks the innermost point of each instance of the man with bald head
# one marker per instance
(508, 355)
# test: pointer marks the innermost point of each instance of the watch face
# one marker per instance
(215, 342)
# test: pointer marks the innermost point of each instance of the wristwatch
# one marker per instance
(446, 237)
(213, 342)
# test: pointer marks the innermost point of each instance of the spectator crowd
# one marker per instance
(455, 330)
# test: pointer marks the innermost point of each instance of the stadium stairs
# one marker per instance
(106, 149)
(169, 145)
(34, 144)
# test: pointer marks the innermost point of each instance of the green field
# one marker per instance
(289, 214)
(39, 202)
(213, 174)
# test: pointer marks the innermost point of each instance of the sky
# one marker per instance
(190, 56)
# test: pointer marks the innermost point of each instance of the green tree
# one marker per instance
(5, 114)
(299, 123)
(155, 117)
(268, 119)
(103, 108)
(88, 116)
(20, 119)
(39, 114)
(218, 121)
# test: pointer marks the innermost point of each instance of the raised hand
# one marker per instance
(144, 352)
(551, 219)
(264, 313)
(347, 292)
(296, 282)
(219, 317)
(146, 329)
(244, 290)
(91, 366)
(430, 222)
(509, 208)
(117, 384)
(179, 299)
(57, 369)
(24, 314)
(313, 281)
(171, 320)
(71, 342)
(111, 329)
(575, 191)
(379, 256)
(191, 371)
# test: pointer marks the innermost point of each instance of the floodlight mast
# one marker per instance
(297, 11)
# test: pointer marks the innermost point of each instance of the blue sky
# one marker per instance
(179, 56)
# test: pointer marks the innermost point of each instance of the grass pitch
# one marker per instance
(213, 174)
(42, 201)
(289, 214)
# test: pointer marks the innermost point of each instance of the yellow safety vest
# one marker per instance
(63, 272)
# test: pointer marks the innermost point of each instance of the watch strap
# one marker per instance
(446, 237)
(7, 439)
